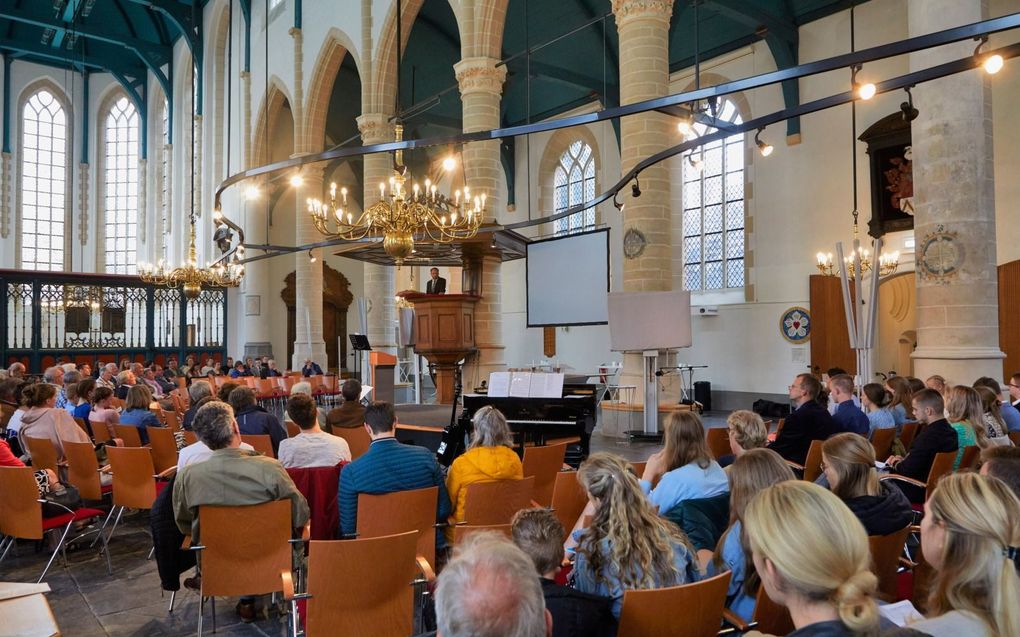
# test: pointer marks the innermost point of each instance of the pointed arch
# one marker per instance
(335, 48)
(487, 37)
(560, 143)
(119, 212)
(220, 75)
(272, 102)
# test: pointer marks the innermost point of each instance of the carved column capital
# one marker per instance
(627, 10)
(480, 74)
(375, 128)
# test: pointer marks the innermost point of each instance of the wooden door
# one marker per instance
(1009, 310)
(336, 298)
(830, 342)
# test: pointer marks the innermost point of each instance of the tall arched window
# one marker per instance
(574, 183)
(713, 209)
(121, 187)
(43, 182)
(164, 178)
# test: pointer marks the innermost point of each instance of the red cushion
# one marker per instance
(106, 489)
(62, 520)
(160, 485)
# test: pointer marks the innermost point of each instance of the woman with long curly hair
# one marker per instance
(627, 546)
(901, 406)
(966, 416)
(684, 469)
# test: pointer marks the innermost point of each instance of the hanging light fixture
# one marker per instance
(993, 63)
(764, 148)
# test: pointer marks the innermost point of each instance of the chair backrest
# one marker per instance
(219, 381)
(292, 429)
(164, 448)
(496, 502)
(772, 618)
(1014, 436)
(885, 561)
(461, 531)
(357, 439)
(133, 483)
(400, 512)
(261, 442)
(129, 434)
(172, 420)
(569, 499)
(236, 563)
(719, 442)
(264, 387)
(970, 457)
(940, 468)
(190, 437)
(20, 512)
(117, 403)
(83, 426)
(83, 469)
(373, 597)
(44, 454)
(544, 463)
(907, 434)
(158, 413)
(653, 613)
(813, 462)
(881, 441)
(639, 468)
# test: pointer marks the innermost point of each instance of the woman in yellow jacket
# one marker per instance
(489, 457)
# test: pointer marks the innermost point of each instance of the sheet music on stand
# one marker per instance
(499, 384)
(525, 385)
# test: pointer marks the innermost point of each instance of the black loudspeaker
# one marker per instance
(703, 394)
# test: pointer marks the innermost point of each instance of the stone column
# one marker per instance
(308, 341)
(246, 123)
(481, 89)
(954, 199)
(643, 27)
(380, 288)
(5, 194)
(255, 290)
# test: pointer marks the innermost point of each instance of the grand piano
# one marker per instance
(536, 420)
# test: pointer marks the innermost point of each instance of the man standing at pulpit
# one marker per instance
(437, 284)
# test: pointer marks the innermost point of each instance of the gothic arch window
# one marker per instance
(713, 209)
(44, 163)
(574, 183)
(164, 180)
(120, 193)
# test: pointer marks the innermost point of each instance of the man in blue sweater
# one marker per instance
(386, 467)
(848, 415)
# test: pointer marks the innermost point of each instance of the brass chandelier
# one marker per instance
(191, 278)
(400, 216)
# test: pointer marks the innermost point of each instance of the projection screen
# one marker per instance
(568, 280)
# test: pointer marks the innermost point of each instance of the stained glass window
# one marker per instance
(574, 183)
(43, 182)
(713, 209)
(120, 169)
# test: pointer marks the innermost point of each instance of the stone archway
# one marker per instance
(336, 299)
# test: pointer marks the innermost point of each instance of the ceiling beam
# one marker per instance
(144, 48)
(745, 12)
(182, 17)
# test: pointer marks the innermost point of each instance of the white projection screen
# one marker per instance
(641, 321)
(568, 280)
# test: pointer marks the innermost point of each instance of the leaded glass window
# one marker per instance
(43, 182)
(120, 170)
(164, 177)
(574, 183)
(713, 209)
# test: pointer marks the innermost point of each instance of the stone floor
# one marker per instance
(87, 602)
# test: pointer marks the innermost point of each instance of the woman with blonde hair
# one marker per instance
(746, 431)
(489, 457)
(848, 462)
(750, 473)
(684, 468)
(901, 406)
(813, 558)
(970, 534)
(966, 416)
(992, 414)
(627, 546)
(136, 411)
(938, 383)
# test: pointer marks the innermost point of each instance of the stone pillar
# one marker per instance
(255, 294)
(83, 203)
(308, 341)
(481, 89)
(380, 288)
(246, 123)
(5, 194)
(643, 27)
(141, 227)
(954, 199)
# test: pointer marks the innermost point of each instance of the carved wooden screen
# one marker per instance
(830, 343)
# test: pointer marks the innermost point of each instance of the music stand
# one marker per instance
(359, 342)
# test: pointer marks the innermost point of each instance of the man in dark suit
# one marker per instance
(386, 467)
(936, 436)
(809, 421)
(351, 413)
(437, 284)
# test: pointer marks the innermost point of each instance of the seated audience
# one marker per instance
(970, 534)
(136, 411)
(746, 431)
(938, 383)
(163, 378)
(103, 416)
(312, 447)
(825, 397)
(223, 393)
(55, 376)
(876, 401)
(149, 380)
(253, 420)
(304, 387)
(198, 390)
(43, 419)
(386, 467)
(239, 370)
(813, 558)
(351, 413)
(684, 468)
(84, 391)
(70, 391)
(108, 376)
(848, 461)
(752, 472)
(966, 417)
(210, 367)
(936, 436)
(489, 589)
(848, 415)
(489, 457)
(995, 426)
(16, 370)
(1009, 414)
(902, 396)
(268, 369)
(1004, 464)
(627, 546)
(125, 381)
(539, 534)
(311, 369)
(809, 421)
(915, 384)
(1014, 390)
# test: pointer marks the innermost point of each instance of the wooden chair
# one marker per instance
(885, 561)
(461, 531)
(234, 564)
(43, 453)
(400, 512)
(940, 467)
(812, 467)
(134, 481)
(172, 420)
(569, 499)
(373, 598)
(719, 442)
(164, 448)
(653, 613)
(496, 502)
(21, 513)
(639, 468)
(84, 426)
(262, 443)
(881, 441)
(83, 470)
(357, 439)
(970, 457)
(771, 618)
(1015, 437)
(544, 463)
(117, 403)
(190, 437)
(129, 434)
(292, 429)
(908, 432)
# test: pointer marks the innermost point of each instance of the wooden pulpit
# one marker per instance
(444, 333)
